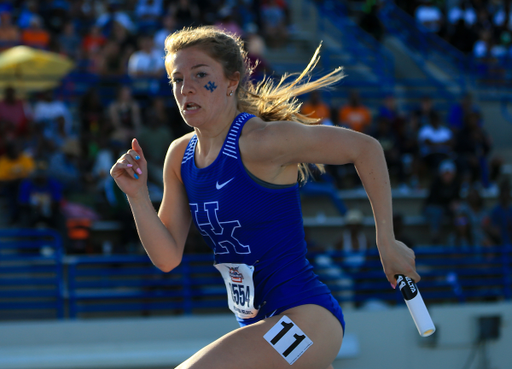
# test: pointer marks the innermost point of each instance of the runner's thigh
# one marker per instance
(246, 348)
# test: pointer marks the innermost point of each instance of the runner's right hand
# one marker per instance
(130, 171)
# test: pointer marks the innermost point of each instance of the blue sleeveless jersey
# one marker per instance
(245, 222)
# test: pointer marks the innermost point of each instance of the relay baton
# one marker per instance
(416, 305)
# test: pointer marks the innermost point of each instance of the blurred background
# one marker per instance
(431, 80)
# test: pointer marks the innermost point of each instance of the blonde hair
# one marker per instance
(267, 99)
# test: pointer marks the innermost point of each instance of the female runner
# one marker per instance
(236, 176)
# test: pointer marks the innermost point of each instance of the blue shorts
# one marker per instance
(326, 300)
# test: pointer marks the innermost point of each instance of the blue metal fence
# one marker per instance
(38, 281)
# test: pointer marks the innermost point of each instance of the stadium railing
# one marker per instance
(38, 281)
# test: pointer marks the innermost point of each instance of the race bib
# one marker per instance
(240, 287)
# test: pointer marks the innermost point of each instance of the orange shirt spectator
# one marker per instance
(354, 115)
(93, 41)
(9, 33)
(35, 35)
(316, 108)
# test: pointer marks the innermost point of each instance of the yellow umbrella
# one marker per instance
(29, 70)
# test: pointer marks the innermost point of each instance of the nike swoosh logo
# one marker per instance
(219, 186)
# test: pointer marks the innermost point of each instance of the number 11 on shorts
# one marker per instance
(288, 339)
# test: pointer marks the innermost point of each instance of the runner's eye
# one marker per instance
(201, 74)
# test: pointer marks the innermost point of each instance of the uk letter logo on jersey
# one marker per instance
(221, 233)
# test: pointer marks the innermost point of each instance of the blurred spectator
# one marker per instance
(15, 165)
(463, 10)
(35, 35)
(124, 113)
(147, 15)
(400, 229)
(471, 221)
(168, 27)
(93, 41)
(501, 216)
(9, 33)
(227, 22)
(370, 22)
(93, 124)
(15, 114)
(429, 16)
(115, 13)
(146, 62)
(435, 142)
(155, 136)
(407, 137)
(111, 62)
(442, 200)
(54, 117)
(355, 115)
(56, 14)
(422, 113)
(64, 166)
(315, 107)
(462, 36)
(353, 241)
(274, 18)
(39, 199)
(30, 8)
(387, 137)
(256, 50)
(472, 146)
(186, 13)
(126, 41)
(460, 110)
(70, 41)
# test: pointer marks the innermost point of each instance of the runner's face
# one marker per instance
(200, 86)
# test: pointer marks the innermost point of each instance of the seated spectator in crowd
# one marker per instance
(147, 61)
(386, 136)
(168, 27)
(407, 138)
(353, 241)
(39, 199)
(65, 166)
(256, 50)
(70, 41)
(35, 35)
(29, 9)
(15, 114)
(389, 110)
(459, 111)
(15, 165)
(462, 10)
(111, 63)
(429, 16)
(315, 107)
(274, 19)
(9, 33)
(471, 221)
(501, 217)
(423, 111)
(54, 117)
(146, 67)
(435, 142)
(227, 21)
(186, 13)
(147, 14)
(93, 41)
(126, 41)
(355, 115)
(124, 113)
(115, 13)
(442, 200)
(472, 146)
(462, 36)
(370, 21)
